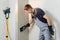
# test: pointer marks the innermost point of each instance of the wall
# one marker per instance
(51, 7)
(12, 20)
(22, 20)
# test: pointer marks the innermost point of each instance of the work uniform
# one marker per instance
(41, 23)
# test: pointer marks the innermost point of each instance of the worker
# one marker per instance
(41, 19)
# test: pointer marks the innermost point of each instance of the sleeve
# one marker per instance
(41, 12)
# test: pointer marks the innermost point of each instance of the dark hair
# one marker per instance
(27, 6)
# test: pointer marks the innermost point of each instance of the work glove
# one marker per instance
(24, 27)
(51, 30)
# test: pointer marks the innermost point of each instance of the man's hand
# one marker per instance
(24, 27)
(51, 30)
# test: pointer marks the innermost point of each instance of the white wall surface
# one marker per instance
(12, 20)
(52, 8)
(22, 20)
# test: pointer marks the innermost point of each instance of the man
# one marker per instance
(41, 19)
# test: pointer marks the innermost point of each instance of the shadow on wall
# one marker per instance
(55, 24)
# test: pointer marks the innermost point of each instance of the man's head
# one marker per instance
(28, 8)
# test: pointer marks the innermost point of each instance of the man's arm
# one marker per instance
(28, 24)
(48, 19)
(30, 19)
(49, 24)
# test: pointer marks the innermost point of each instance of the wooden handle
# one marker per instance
(6, 29)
